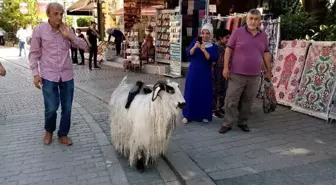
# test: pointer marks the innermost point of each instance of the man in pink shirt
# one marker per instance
(50, 62)
(248, 48)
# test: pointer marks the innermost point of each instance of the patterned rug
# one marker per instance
(288, 69)
(318, 80)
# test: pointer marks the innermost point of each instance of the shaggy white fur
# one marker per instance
(144, 129)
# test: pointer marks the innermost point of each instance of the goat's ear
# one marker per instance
(156, 92)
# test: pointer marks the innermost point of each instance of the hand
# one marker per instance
(226, 73)
(37, 81)
(197, 45)
(202, 46)
(2, 71)
(65, 30)
(269, 75)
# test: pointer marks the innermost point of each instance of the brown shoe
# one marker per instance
(224, 129)
(47, 138)
(65, 140)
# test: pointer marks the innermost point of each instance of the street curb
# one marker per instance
(116, 173)
(187, 171)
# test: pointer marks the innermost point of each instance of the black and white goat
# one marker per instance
(141, 130)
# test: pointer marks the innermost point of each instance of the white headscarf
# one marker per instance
(209, 27)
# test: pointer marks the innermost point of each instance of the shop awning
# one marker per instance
(82, 7)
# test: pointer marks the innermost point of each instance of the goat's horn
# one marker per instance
(156, 92)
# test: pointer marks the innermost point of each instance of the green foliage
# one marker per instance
(69, 20)
(84, 21)
(11, 18)
(281, 7)
(297, 26)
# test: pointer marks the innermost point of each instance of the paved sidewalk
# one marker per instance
(91, 160)
(284, 147)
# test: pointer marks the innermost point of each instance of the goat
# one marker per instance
(141, 132)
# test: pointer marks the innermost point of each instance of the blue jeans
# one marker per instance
(55, 93)
(22, 47)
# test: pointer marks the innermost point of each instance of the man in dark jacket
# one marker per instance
(118, 38)
(92, 36)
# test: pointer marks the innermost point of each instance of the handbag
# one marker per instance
(269, 99)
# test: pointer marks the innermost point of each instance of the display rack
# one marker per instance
(175, 45)
(162, 35)
(132, 52)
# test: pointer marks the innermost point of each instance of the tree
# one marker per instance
(11, 18)
(281, 7)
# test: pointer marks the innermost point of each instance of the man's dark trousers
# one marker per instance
(93, 54)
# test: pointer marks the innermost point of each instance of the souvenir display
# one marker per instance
(175, 47)
(162, 35)
(288, 69)
(132, 52)
(132, 10)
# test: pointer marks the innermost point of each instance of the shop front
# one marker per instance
(176, 23)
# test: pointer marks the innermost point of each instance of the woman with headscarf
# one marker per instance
(202, 53)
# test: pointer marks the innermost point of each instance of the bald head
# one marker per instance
(55, 14)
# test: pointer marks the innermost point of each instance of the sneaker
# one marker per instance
(205, 121)
(217, 114)
(96, 67)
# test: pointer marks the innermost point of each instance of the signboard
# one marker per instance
(212, 8)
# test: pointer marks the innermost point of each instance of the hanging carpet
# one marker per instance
(318, 80)
(288, 69)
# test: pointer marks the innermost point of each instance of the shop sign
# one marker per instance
(212, 8)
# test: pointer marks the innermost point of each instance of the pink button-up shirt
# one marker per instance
(49, 53)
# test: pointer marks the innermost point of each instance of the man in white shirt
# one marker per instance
(2, 39)
(22, 36)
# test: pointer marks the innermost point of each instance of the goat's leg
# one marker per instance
(141, 163)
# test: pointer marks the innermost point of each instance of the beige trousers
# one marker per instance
(240, 88)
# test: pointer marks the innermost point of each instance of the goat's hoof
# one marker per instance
(140, 166)
(185, 120)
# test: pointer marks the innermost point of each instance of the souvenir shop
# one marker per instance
(167, 34)
(174, 30)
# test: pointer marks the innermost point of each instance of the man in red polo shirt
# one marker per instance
(248, 47)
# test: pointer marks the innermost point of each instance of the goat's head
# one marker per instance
(170, 91)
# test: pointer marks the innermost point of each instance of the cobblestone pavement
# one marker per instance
(25, 160)
(283, 147)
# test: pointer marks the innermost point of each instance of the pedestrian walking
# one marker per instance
(50, 62)
(248, 47)
(81, 52)
(22, 35)
(92, 36)
(2, 37)
(2, 70)
(219, 82)
(198, 89)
